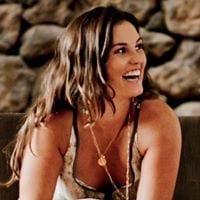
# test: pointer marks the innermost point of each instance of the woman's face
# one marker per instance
(126, 61)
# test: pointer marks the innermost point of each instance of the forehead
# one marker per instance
(124, 31)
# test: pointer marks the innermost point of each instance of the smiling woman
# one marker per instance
(97, 131)
(126, 61)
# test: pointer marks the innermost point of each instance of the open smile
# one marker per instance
(132, 75)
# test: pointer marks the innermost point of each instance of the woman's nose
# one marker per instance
(137, 57)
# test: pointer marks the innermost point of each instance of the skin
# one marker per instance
(159, 136)
(126, 54)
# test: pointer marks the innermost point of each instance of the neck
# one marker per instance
(122, 107)
(121, 110)
(122, 113)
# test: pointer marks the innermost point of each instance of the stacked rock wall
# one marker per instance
(170, 30)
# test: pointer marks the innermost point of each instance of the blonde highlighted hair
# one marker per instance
(76, 77)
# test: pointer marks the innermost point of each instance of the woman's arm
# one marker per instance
(43, 160)
(160, 143)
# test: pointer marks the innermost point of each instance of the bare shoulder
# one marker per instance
(60, 122)
(54, 133)
(157, 110)
(159, 124)
(43, 156)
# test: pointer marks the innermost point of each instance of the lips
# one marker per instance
(132, 75)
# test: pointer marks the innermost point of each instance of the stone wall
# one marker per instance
(170, 30)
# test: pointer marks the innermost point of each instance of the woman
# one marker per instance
(96, 130)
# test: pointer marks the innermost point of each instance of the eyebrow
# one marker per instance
(123, 43)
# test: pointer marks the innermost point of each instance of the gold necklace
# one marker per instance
(103, 162)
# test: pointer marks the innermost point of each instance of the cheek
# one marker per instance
(145, 60)
(111, 69)
(144, 63)
(115, 66)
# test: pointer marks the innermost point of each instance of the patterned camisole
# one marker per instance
(68, 187)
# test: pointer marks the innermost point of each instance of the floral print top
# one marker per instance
(70, 188)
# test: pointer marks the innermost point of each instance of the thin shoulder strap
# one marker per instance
(135, 127)
(137, 105)
(74, 124)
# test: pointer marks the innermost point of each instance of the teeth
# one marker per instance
(133, 73)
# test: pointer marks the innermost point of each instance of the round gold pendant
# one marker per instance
(102, 161)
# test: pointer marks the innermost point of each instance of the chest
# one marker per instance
(89, 148)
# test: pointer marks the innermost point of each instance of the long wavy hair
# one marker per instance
(75, 79)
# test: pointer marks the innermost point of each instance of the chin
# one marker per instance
(138, 92)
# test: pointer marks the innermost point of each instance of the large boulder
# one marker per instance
(191, 108)
(39, 41)
(10, 24)
(183, 17)
(16, 81)
(158, 44)
(48, 11)
(180, 77)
